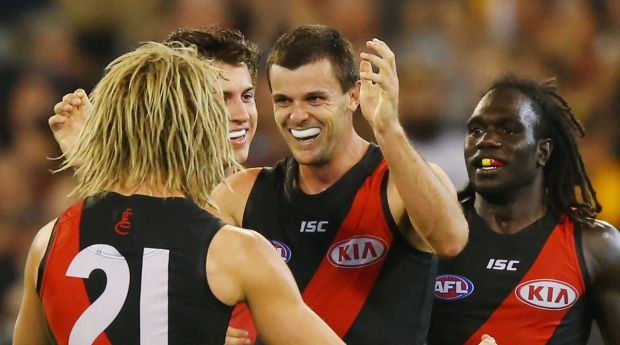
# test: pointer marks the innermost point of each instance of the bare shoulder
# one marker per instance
(38, 248)
(232, 195)
(236, 259)
(601, 246)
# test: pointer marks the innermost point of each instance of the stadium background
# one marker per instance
(447, 51)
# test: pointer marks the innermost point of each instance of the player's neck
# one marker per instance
(513, 215)
(314, 179)
(153, 190)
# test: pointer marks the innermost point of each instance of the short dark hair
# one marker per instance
(226, 45)
(310, 43)
(565, 169)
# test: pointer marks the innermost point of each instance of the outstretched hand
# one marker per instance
(379, 90)
(69, 117)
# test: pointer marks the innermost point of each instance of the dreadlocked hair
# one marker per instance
(569, 189)
(158, 119)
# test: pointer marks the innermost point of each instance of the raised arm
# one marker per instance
(256, 275)
(68, 119)
(416, 189)
(31, 325)
(601, 245)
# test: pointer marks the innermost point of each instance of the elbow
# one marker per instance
(457, 242)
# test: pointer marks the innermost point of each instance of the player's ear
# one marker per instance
(354, 96)
(543, 151)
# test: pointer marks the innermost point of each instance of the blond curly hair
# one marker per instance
(158, 119)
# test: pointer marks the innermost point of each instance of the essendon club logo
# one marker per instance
(547, 294)
(357, 251)
(449, 287)
(124, 224)
(283, 250)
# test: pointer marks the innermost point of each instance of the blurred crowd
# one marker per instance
(447, 51)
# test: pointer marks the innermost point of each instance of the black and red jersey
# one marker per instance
(352, 265)
(131, 270)
(526, 288)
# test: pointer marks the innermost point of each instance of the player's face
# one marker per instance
(311, 110)
(501, 149)
(238, 90)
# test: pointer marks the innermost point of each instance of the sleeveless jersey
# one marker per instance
(131, 270)
(524, 288)
(348, 258)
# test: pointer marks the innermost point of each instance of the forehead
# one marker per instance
(234, 75)
(312, 77)
(506, 105)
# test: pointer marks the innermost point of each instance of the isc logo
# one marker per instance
(313, 226)
(502, 265)
(547, 294)
(283, 250)
(452, 287)
(357, 251)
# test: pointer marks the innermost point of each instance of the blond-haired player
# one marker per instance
(139, 260)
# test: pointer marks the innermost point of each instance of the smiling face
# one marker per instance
(311, 110)
(501, 150)
(238, 89)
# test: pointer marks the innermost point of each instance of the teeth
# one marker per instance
(490, 163)
(305, 133)
(237, 134)
(488, 168)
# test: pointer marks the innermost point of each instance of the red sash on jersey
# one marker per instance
(516, 322)
(65, 298)
(337, 293)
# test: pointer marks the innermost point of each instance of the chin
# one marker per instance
(241, 155)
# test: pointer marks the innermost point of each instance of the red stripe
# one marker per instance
(242, 318)
(337, 294)
(65, 298)
(514, 321)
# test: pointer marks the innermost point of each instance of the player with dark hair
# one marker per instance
(356, 222)
(538, 266)
(236, 56)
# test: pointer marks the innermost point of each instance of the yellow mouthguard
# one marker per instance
(486, 162)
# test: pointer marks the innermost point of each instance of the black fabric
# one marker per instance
(195, 316)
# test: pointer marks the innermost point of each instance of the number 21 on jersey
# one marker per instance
(100, 314)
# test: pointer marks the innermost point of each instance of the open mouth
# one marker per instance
(237, 135)
(306, 135)
(489, 164)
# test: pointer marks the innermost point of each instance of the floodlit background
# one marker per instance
(448, 52)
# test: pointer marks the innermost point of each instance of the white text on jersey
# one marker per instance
(502, 265)
(313, 226)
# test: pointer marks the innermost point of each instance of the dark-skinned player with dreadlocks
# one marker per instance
(539, 266)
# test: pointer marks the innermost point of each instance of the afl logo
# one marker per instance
(357, 251)
(282, 249)
(547, 294)
(449, 287)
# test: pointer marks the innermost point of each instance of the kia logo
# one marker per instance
(357, 251)
(547, 294)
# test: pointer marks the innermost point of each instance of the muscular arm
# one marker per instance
(31, 326)
(601, 246)
(416, 189)
(258, 276)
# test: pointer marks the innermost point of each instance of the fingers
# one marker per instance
(56, 121)
(487, 340)
(382, 50)
(383, 58)
(236, 336)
